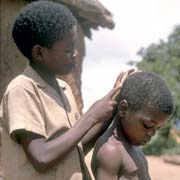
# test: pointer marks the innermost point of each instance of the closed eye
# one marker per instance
(69, 50)
(147, 127)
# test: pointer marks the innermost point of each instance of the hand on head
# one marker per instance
(121, 79)
(102, 109)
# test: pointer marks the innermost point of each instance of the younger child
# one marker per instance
(144, 105)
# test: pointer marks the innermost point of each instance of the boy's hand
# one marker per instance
(123, 75)
(121, 79)
(102, 110)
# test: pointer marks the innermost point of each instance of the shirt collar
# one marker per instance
(30, 72)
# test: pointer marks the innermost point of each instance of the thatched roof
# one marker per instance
(91, 14)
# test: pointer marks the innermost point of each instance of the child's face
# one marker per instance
(140, 126)
(61, 57)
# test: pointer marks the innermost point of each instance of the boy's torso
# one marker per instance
(133, 165)
(70, 166)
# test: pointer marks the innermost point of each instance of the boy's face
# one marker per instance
(140, 126)
(61, 57)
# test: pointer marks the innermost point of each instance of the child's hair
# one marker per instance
(42, 23)
(143, 89)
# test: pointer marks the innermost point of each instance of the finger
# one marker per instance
(114, 92)
(119, 78)
(124, 77)
(113, 103)
(119, 83)
(126, 74)
(132, 70)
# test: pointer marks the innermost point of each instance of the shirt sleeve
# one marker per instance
(23, 111)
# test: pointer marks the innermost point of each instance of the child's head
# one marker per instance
(42, 24)
(145, 104)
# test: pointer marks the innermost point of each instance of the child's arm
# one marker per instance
(44, 154)
(108, 162)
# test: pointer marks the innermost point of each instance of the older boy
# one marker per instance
(144, 105)
(41, 126)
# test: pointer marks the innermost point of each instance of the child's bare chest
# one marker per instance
(134, 165)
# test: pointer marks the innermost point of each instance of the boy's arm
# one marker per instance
(94, 133)
(108, 162)
(44, 154)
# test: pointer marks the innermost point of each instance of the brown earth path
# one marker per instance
(160, 170)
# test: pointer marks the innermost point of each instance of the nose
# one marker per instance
(76, 53)
(151, 132)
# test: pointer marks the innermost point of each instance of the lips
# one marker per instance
(73, 62)
(72, 65)
(146, 140)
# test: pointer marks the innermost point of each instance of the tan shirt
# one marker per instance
(30, 103)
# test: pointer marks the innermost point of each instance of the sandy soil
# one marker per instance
(158, 168)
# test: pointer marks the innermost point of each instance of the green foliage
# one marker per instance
(161, 145)
(164, 59)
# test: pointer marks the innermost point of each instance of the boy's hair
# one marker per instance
(145, 89)
(43, 23)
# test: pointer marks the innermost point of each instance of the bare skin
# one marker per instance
(117, 155)
(116, 159)
(48, 62)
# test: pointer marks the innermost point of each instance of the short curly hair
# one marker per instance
(43, 23)
(146, 89)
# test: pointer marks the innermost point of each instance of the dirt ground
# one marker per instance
(158, 168)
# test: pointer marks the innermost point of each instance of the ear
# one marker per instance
(38, 53)
(123, 108)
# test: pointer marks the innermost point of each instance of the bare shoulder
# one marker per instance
(109, 156)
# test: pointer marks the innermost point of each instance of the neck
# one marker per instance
(118, 131)
(47, 76)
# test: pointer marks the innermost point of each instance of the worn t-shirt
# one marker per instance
(31, 104)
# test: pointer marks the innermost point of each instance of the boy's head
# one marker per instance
(145, 104)
(42, 24)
